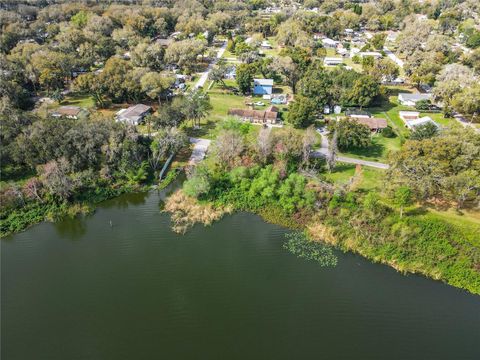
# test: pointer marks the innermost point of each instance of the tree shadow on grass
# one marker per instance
(396, 91)
(202, 131)
(341, 167)
(421, 210)
(373, 151)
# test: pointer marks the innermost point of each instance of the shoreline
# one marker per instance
(270, 214)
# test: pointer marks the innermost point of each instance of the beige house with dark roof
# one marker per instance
(267, 116)
(375, 124)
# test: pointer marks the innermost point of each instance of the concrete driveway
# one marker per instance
(200, 147)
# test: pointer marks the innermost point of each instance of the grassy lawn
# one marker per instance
(346, 61)
(229, 55)
(84, 101)
(275, 50)
(372, 178)
(381, 147)
(391, 110)
(222, 102)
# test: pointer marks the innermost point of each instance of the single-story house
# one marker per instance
(412, 124)
(425, 88)
(332, 61)
(408, 115)
(70, 112)
(373, 54)
(133, 115)
(357, 113)
(262, 86)
(268, 116)
(411, 99)
(329, 43)
(375, 124)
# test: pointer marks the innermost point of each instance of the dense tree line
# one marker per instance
(444, 167)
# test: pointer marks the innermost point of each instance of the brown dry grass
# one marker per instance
(319, 232)
(187, 211)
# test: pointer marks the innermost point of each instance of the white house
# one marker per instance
(412, 124)
(329, 43)
(412, 99)
(373, 54)
(408, 115)
(332, 61)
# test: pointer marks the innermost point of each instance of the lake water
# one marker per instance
(82, 289)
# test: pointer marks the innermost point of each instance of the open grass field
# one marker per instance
(371, 179)
(75, 99)
(378, 151)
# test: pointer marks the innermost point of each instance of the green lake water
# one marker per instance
(82, 289)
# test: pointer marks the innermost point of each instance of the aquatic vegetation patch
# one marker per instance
(300, 245)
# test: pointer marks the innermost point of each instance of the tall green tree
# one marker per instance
(244, 77)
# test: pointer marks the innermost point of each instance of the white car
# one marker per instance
(259, 103)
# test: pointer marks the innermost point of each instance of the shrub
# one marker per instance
(388, 132)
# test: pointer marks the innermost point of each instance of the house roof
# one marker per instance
(263, 82)
(134, 112)
(270, 113)
(421, 121)
(272, 108)
(370, 53)
(414, 97)
(408, 113)
(372, 123)
(332, 59)
(67, 111)
(329, 41)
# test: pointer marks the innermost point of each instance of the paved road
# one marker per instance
(393, 57)
(323, 151)
(204, 76)
(200, 147)
(349, 160)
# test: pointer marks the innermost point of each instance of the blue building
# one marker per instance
(262, 86)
